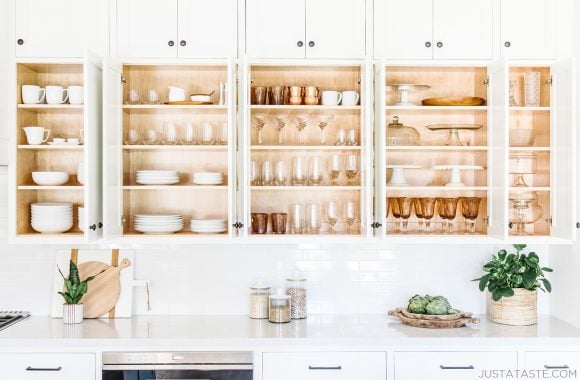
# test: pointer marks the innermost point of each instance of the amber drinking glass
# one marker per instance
(405, 209)
(470, 211)
(394, 206)
(259, 95)
(259, 223)
(278, 220)
(418, 206)
(277, 95)
(428, 209)
(447, 211)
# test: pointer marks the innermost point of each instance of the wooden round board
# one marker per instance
(454, 101)
(431, 323)
(445, 317)
(187, 103)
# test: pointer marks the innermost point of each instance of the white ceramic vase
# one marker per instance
(72, 314)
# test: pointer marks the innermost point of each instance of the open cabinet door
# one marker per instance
(232, 149)
(243, 147)
(380, 182)
(563, 155)
(497, 143)
(93, 79)
(366, 141)
(112, 149)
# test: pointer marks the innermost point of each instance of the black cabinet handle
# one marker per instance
(100, 225)
(183, 43)
(20, 41)
(311, 44)
(565, 366)
(458, 368)
(507, 44)
(338, 367)
(439, 44)
(44, 369)
(428, 44)
(171, 43)
(510, 225)
(299, 43)
(93, 227)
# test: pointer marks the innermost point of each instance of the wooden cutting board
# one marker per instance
(454, 101)
(187, 103)
(432, 323)
(104, 290)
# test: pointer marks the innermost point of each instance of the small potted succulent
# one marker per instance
(75, 289)
(512, 279)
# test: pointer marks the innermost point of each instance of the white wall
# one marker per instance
(4, 80)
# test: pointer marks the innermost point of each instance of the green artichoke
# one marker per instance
(437, 307)
(417, 304)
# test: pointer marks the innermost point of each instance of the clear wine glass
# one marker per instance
(332, 215)
(301, 122)
(322, 119)
(279, 123)
(350, 215)
(259, 120)
(352, 168)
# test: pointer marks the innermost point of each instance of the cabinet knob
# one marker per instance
(439, 44)
(311, 44)
(510, 225)
(299, 43)
(171, 43)
(183, 43)
(428, 44)
(507, 44)
(20, 41)
(93, 227)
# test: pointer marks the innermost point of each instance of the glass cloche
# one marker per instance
(523, 209)
(401, 135)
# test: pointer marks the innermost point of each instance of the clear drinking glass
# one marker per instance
(259, 120)
(169, 134)
(322, 119)
(188, 134)
(133, 97)
(279, 124)
(296, 218)
(207, 135)
(267, 173)
(133, 137)
(223, 135)
(332, 215)
(152, 97)
(315, 177)
(313, 222)
(301, 122)
(254, 174)
(352, 169)
(350, 215)
(151, 137)
(334, 168)
(299, 175)
(340, 137)
(351, 137)
(280, 174)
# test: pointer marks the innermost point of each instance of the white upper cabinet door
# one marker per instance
(528, 29)
(275, 28)
(335, 29)
(147, 28)
(207, 29)
(53, 28)
(462, 29)
(407, 29)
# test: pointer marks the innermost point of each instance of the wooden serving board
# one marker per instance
(187, 103)
(432, 323)
(445, 317)
(104, 290)
(454, 101)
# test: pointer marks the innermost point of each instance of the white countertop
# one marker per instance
(240, 332)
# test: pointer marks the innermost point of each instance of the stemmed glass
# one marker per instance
(323, 119)
(405, 209)
(352, 168)
(447, 210)
(301, 122)
(470, 211)
(419, 212)
(394, 206)
(334, 168)
(259, 121)
(279, 123)
(428, 209)
(350, 215)
(332, 215)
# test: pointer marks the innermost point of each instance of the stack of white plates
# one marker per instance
(208, 226)
(51, 217)
(157, 177)
(158, 224)
(207, 178)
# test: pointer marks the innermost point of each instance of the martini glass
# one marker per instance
(301, 122)
(322, 120)
(259, 121)
(280, 123)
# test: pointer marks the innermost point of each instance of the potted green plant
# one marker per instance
(513, 279)
(75, 289)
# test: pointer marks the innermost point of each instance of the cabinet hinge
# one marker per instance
(551, 80)
(375, 225)
(550, 221)
(238, 225)
(123, 79)
(486, 81)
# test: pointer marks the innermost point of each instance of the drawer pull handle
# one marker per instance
(44, 369)
(466, 367)
(565, 366)
(338, 367)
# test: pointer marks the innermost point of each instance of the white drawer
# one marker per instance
(24, 366)
(325, 366)
(450, 365)
(552, 360)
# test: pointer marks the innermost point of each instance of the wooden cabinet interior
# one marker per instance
(266, 198)
(184, 198)
(62, 120)
(433, 149)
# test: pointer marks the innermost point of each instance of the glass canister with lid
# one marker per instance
(399, 134)
(296, 288)
(259, 299)
(280, 306)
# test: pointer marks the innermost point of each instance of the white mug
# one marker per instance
(176, 94)
(76, 95)
(56, 95)
(82, 134)
(81, 173)
(33, 94)
(331, 98)
(36, 135)
(350, 98)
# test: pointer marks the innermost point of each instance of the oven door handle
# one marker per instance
(200, 367)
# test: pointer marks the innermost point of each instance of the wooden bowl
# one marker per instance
(465, 101)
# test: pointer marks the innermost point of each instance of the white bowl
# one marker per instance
(50, 178)
(522, 137)
(201, 98)
(52, 226)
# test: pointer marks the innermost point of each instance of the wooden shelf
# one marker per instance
(152, 108)
(437, 188)
(175, 187)
(201, 148)
(531, 188)
(529, 109)
(437, 148)
(530, 148)
(51, 147)
(305, 107)
(51, 107)
(304, 147)
(63, 187)
(306, 188)
(436, 108)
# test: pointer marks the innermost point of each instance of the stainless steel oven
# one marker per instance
(178, 365)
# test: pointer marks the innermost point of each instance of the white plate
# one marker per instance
(158, 216)
(146, 182)
(213, 183)
(208, 231)
(157, 230)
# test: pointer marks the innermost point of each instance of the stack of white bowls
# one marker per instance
(157, 177)
(208, 226)
(81, 218)
(157, 223)
(51, 218)
(208, 178)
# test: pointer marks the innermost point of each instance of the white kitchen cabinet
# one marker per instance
(450, 365)
(324, 366)
(428, 29)
(528, 29)
(54, 28)
(552, 360)
(305, 29)
(176, 29)
(33, 366)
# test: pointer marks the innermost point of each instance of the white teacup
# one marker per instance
(350, 98)
(76, 95)
(59, 140)
(73, 141)
(176, 94)
(56, 95)
(32, 94)
(331, 98)
(36, 135)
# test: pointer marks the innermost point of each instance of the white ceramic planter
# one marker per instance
(518, 310)
(72, 314)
